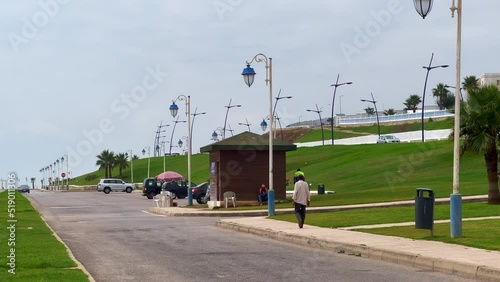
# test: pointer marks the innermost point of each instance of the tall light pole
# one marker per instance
(57, 173)
(340, 104)
(131, 165)
(461, 95)
(192, 123)
(225, 120)
(337, 84)
(173, 110)
(320, 122)
(247, 125)
(428, 68)
(149, 156)
(456, 197)
(249, 75)
(274, 112)
(376, 111)
(173, 130)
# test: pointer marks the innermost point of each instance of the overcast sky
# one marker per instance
(79, 77)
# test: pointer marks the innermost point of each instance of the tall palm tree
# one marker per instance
(480, 129)
(121, 161)
(105, 161)
(412, 102)
(111, 163)
(440, 93)
(470, 83)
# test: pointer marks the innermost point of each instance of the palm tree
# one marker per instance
(480, 129)
(440, 93)
(389, 112)
(370, 111)
(121, 161)
(105, 161)
(412, 102)
(470, 83)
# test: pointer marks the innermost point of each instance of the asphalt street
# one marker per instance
(116, 239)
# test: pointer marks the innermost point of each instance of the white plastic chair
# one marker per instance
(230, 196)
(159, 200)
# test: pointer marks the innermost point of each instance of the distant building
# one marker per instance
(490, 78)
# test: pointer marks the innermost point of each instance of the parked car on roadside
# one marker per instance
(108, 185)
(388, 139)
(177, 189)
(23, 188)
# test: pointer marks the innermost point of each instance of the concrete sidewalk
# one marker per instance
(436, 256)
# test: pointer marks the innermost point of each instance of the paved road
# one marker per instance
(116, 240)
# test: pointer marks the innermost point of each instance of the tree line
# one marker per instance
(108, 160)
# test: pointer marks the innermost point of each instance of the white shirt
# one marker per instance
(301, 193)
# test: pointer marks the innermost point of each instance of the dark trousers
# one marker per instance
(300, 212)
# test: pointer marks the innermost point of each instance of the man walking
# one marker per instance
(301, 198)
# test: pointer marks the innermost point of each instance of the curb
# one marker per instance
(241, 213)
(466, 270)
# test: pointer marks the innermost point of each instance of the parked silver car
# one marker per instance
(108, 185)
(388, 139)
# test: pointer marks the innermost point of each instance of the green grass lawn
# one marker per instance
(39, 256)
(315, 135)
(479, 234)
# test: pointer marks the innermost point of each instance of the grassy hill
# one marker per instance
(382, 172)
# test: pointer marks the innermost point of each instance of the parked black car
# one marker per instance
(177, 189)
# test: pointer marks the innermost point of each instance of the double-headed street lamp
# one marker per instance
(194, 117)
(149, 156)
(376, 111)
(337, 84)
(423, 7)
(249, 76)
(225, 120)
(173, 110)
(274, 112)
(246, 124)
(428, 68)
(320, 122)
(173, 130)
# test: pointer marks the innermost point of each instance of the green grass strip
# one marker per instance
(471, 229)
(39, 256)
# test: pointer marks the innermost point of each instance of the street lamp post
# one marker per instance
(274, 112)
(173, 110)
(247, 125)
(225, 120)
(428, 68)
(376, 111)
(249, 75)
(149, 156)
(456, 197)
(194, 117)
(131, 165)
(337, 84)
(461, 95)
(173, 130)
(320, 122)
(340, 104)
